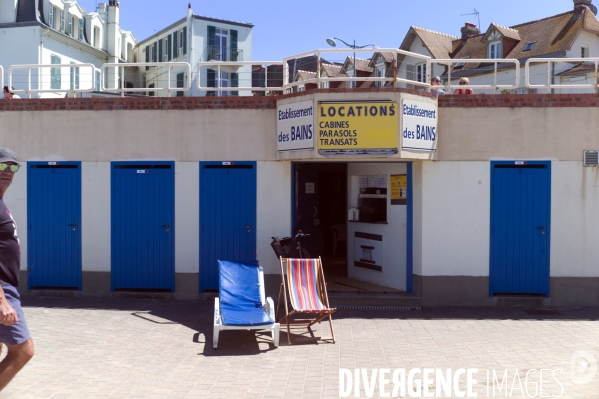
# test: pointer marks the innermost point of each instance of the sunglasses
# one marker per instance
(463, 83)
(13, 168)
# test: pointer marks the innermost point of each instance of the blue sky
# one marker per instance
(283, 29)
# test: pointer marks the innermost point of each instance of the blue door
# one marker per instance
(520, 227)
(54, 225)
(143, 197)
(227, 216)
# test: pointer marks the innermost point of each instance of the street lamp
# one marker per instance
(332, 43)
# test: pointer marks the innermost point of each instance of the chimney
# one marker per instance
(579, 6)
(469, 30)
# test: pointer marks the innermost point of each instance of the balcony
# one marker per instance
(219, 53)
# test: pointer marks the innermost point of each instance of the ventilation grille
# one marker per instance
(591, 158)
(346, 307)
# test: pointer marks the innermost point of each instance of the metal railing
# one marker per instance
(217, 65)
(289, 85)
(550, 73)
(495, 68)
(168, 88)
(220, 53)
(55, 73)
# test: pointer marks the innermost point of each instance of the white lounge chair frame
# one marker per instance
(268, 305)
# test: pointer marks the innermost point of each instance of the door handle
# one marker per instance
(167, 227)
(541, 228)
(73, 225)
(248, 227)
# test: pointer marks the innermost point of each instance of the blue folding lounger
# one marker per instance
(241, 304)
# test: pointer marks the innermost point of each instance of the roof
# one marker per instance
(331, 70)
(304, 75)
(553, 35)
(440, 45)
(578, 69)
(509, 33)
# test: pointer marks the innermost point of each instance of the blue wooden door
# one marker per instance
(520, 227)
(54, 225)
(227, 216)
(143, 234)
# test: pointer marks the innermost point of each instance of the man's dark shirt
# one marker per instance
(10, 251)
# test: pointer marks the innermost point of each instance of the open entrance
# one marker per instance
(356, 215)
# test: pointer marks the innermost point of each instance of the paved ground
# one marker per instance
(133, 348)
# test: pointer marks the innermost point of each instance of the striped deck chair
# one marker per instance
(303, 283)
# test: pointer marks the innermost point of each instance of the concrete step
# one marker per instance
(520, 301)
(373, 299)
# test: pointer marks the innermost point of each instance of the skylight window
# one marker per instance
(529, 46)
(461, 63)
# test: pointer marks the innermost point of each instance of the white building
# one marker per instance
(194, 39)
(61, 32)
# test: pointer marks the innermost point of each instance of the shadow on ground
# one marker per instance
(198, 316)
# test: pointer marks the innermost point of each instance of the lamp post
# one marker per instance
(332, 43)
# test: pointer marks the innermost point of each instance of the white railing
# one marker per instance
(168, 88)
(495, 86)
(288, 84)
(218, 64)
(551, 74)
(84, 85)
(1, 76)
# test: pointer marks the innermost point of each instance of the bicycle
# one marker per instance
(288, 247)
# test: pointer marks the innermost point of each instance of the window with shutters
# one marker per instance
(55, 78)
(495, 50)
(220, 44)
(175, 47)
(223, 81)
(62, 20)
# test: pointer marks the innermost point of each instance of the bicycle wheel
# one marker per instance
(303, 253)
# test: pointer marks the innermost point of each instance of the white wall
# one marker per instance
(274, 210)
(95, 216)
(394, 233)
(455, 219)
(187, 217)
(574, 220)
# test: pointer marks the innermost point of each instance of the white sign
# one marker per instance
(419, 124)
(295, 126)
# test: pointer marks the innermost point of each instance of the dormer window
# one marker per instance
(495, 50)
(461, 63)
(584, 51)
(529, 46)
(380, 73)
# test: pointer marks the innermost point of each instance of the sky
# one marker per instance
(283, 29)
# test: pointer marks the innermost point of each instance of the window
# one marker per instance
(495, 50)
(421, 73)
(62, 20)
(324, 85)
(529, 46)
(461, 63)
(98, 81)
(96, 37)
(584, 51)
(380, 73)
(165, 49)
(80, 36)
(71, 26)
(74, 81)
(223, 81)
(55, 82)
(220, 44)
(151, 93)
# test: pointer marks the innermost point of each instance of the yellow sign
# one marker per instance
(358, 128)
(399, 189)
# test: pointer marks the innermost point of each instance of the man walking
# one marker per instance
(14, 332)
